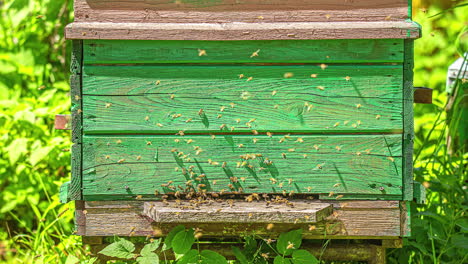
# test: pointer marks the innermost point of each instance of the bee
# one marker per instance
(149, 143)
(358, 122)
(358, 153)
(313, 75)
(300, 140)
(273, 180)
(368, 151)
(159, 125)
(269, 241)
(232, 105)
(319, 166)
(222, 108)
(337, 185)
(119, 141)
(339, 196)
(213, 136)
(237, 120)
(270, 226)
(147, 118)
(242, 179)
(222, 126)
(283, 155)
(358, 106)
(338, 148)
(198, 152)
(309, 189)
(336, 124)
(172, 96)
(174, 116)
(139, 197)
(214, 182)
(305, 156)
(281, 140)
(316, 147)
(249, 79)
(255, 53)
(290, 245)
(241, 76)
(288, 75)
(188, 120)
(240, 145)
(388, 17)
(345, 122)
(255, 132)
(354, 125)
(189, 141)
(108, 105)
(323, 66)
(176, 168)
(120, 160)
(321, 88)
(202, 52)
(219, 116)
(391, 159)
(290, 181)
(265, 255)
(224, 164)
(138, 158)
(158, 82)
(275, 106)
(331, 194)
(378, 117)
(328, 17)
(269, 134)
(312, 227)
(347, 78)
(176, 140)
(107, 157)
(280, 185)
(292, 150)
(200, 112)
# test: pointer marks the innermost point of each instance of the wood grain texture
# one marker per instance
(272, 51)
(75, 187)
(239, 11)
(122, 167)
(167, 99)
(243, 31)
(370, 219)
(240, 212)
(408, 121)
(75, 90)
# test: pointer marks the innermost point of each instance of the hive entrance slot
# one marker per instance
(238, 212)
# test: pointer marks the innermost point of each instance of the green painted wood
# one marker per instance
(63, 194)
(121, 167)
(269, 51)
(419, 193)
(149, 99)
(75, 187)
(408, 121)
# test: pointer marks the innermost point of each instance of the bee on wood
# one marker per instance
(321, 88)
(232, 105)
(241, 76)
(119, 141)
(240, 145)
(339, 196)
(270, 226)
(313, 75)
(255, 53)
(300, 140)
(281, 140)
(305, 156)
(323, 66)
(273, 93)
(120, 160)
(316, 147)
(269, 134)
(148, 143)
(338, 148)
(337, 185)
(222, 126)
(107, 157)
(283, 155)
(219, 116)
(147, 118)
(213, 136)
(159, 125)
(222, 108)
(250, 78)
(288, 75)
(391, 159)
(292, 150)
(138, 158)
(358, 106)
(312, 227)
(188, 120)
(189, 141)
(108, 105)
(336, 124)
(378, 117)
(347, 78)
(255, 132)
(172, 96)
(202, 52)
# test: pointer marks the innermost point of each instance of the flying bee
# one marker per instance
(255, 54)
(202, 52)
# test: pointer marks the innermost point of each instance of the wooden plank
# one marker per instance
(243, 31)
(408, 121)
(167, 99)
(75, 187)
(422, 95)
(122, 167)
(239, 212)
(239, 11)
(379, 219)
(271, 51)
(405, 212)
(62, 122)
(75, 90)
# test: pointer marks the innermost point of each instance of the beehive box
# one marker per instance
(305, 105)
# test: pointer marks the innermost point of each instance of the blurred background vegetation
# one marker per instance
(35, 158)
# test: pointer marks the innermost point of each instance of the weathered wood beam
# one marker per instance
(62, 122)
(422, 95)
(243, 31)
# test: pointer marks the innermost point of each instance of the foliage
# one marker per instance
(34, 159)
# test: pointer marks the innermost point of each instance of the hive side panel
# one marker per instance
(74, 189)
(408, 121)
(236, 11)
(267, 51)
(125, 167)
(168, 99)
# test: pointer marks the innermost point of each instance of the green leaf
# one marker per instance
(281, 260)
(183, 241)
(16, 149)
(72, 260)
(303, 257)
(239, 255)
(460, 241)
(150, 258)
(149, 248)
(189, 258)
(463, 224)
(288, 242)
(211, 257)
(119, 249)
(168, 242)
